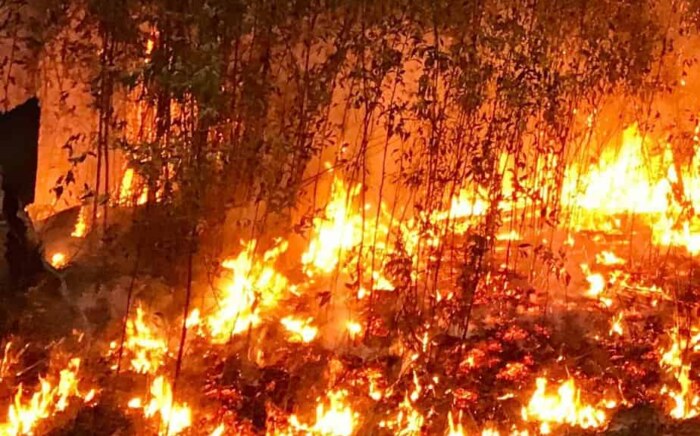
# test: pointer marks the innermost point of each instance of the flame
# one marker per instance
(145, 343)
(58, 260)
(253, 287)
(335, 419)
(620, 182)
(374, 378)
(596, 286)
(174, 418)
(508, 236)
(562, 407)
(194, 319)
(128, 190)
(674, 360)
(339, 230)
(9, 359)
(606, 257)
(616, 327)
(348, 229)
(467, 204)
(25, 414)
(150, 44)
(455, 429)
(408, 421)
(300, 330)
(354, 329)
(627, 181)
(80, 229)
(218, 431)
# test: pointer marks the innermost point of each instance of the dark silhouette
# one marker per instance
(19, 135)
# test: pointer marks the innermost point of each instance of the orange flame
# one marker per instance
(25, 414)
(58, 260)
(335, 419)
(174, 418)
(80, 229)
(253, 287)
(562, 407)
(300, 330)
(145, 343)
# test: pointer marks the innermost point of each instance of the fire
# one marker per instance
(674, 361)
(253, 287)
(607, 257)
(511, 235)
(80, 229)
(145, 343)
(339, 230)
(194, 319)
(335, 419)
(300, 330)
(620, 182)
(173, 417)
(128, 190)
(8, 360)
(475, 164)
(354, 329)
(616, 327)
(218, 431)
(563, 407)
(467, 204)
(629, 181)
(25, 414)
(455, 429)
(374, 389)
(58, 260)
(346, 229)
(596, 286)
(408, 421)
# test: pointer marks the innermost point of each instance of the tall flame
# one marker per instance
(25, 414)
(252, 287)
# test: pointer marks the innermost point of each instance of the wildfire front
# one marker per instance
(344, 218)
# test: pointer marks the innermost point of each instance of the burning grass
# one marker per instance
(356, 337)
